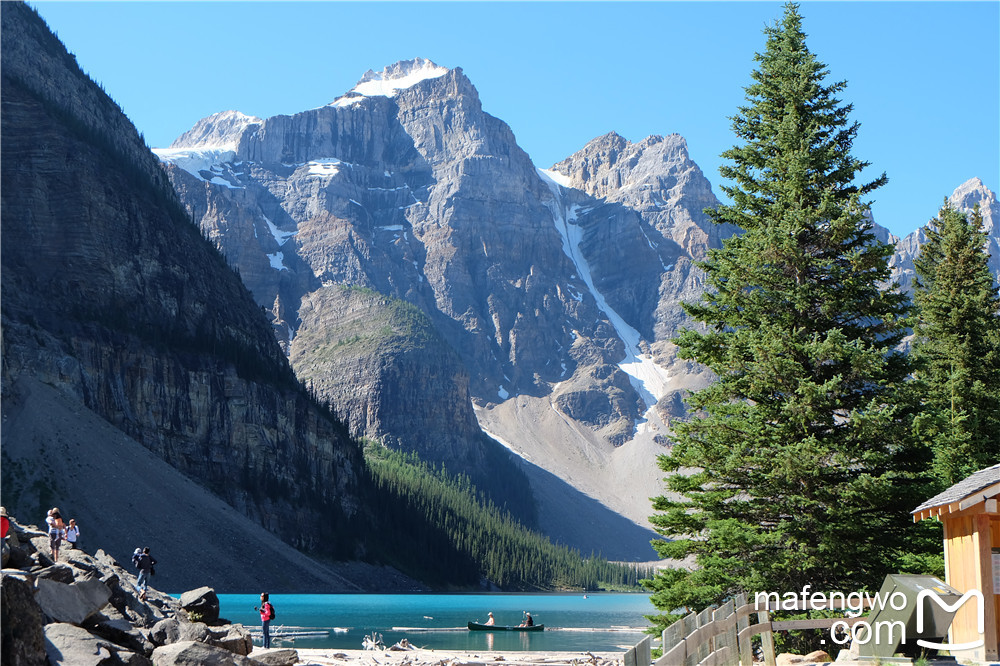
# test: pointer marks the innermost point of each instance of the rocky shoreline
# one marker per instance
(85, 610)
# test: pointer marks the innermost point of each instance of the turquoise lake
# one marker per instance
(573, 622)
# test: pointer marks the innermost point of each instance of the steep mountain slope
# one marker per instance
(56, 451)
(428, 280)
(559, 287)
(114, 300)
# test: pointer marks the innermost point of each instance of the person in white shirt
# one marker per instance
(72, 533)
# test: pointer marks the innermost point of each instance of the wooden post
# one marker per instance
(672, 637)
(986, 585)
(690, 624)
(644, 651)
(767, 639)
(725, 640)
(745, 644)
(630, 659)
(705, 648)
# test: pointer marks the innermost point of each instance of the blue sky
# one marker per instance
(924, 77)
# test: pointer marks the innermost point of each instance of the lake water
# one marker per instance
(573, 622)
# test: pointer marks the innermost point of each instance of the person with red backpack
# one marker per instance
(266, 615)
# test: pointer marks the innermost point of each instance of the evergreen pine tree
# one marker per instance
(957, 346)
(795, 468)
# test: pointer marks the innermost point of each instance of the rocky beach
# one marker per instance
(85, 610)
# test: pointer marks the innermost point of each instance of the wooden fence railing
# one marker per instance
(723, 636)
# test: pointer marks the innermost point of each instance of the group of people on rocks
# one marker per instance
(59, 531)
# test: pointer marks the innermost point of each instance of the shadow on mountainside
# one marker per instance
(572, 518)
(56, 452)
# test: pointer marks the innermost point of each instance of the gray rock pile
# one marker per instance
(85, 611)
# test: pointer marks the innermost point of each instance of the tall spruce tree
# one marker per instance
(795, 468)
(957, 346)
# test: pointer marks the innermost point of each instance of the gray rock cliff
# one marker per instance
(115, 300)
(547, 297)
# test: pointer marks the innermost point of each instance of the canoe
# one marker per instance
(475, 626)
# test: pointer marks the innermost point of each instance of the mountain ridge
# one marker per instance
(113, 299)
(559, 289)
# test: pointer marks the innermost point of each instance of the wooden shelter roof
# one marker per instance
(979, 487)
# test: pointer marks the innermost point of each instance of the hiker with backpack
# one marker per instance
(266, 615)
(144, 562)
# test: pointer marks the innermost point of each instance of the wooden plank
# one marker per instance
(673, 635)
(985, 543)
(716, 658)
(743, 644)
(644, 651)
(690, 626)
(745, 609)
(767, 639)
(630, 659)
(704, 648)
(979, 496)
(674, 657)
(726, 620)
(758, 628)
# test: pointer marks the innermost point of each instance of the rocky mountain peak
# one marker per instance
(641, 174)
(387, 83)
(219, 131)
(972, 192)
(965, 198)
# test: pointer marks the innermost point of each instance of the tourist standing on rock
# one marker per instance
(57, 531)
(72, 534)
(145, 563)
(266, 615)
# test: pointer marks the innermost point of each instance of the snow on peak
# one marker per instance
(393, 78)
(555, 176)
(219, 131)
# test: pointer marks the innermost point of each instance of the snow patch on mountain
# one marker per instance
(197, 160)
(277, 261)
(648, 378)
(280, 237)
(219, 131)
(391, 80)
(556, 177)
(324, 168)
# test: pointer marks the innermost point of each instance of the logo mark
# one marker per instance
(981, 618)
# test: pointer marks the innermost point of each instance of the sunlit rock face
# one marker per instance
(428, 280)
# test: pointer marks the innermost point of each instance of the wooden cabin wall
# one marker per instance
(968, 544)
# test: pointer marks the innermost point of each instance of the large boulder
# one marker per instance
(61, 573)
(75, 646)
(818, 657)
(117, 629)
(171, 630)
(22, 641)
(193, 653)
(278, 657)
(202, 604)
(165, 632)
(73, 603)
(233, 637)
(194, 631)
